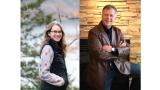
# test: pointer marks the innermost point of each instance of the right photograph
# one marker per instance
(110, 45)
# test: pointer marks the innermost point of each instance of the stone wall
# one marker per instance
(128, 20)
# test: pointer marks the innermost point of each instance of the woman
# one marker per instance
(53, 73)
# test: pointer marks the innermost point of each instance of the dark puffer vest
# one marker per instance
(58, 67)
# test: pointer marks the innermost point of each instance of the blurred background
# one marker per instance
(35, 15)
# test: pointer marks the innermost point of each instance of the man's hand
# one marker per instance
(107, 48)
(122, 44)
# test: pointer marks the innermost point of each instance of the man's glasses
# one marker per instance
(56, 31)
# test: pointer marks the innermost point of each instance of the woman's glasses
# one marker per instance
(56, 31)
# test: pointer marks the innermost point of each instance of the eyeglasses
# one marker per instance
(56, 31)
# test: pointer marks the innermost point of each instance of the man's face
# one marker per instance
(108, 16)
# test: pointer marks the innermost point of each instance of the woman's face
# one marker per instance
(55, 33)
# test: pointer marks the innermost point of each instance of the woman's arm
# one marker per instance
(47, 56)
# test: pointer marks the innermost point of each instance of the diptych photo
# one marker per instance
(80, 45)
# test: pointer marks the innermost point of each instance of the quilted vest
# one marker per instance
(57, 67)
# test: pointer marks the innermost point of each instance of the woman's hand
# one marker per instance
(59, 82)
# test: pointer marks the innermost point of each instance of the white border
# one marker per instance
(150, 38)
(10, 45)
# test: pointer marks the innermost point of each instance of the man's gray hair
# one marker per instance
(109, 7)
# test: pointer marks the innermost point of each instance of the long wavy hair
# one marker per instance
(61, 43)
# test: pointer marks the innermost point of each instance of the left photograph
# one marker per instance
(49, 45)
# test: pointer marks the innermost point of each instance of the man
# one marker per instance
(108, 53)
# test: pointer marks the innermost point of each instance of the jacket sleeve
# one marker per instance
(95, 47)
(47, 56)
(123, 51)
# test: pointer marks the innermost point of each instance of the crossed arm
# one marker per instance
(104, 52)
